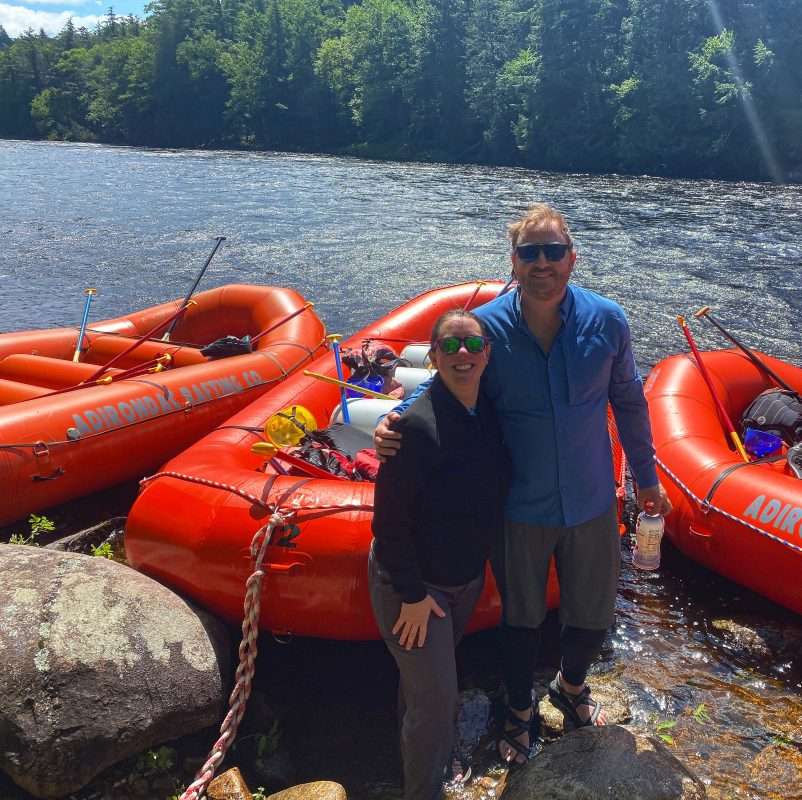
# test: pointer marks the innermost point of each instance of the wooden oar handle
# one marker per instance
(702, 312)
(344, 385)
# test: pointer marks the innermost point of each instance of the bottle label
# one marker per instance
(648, 533)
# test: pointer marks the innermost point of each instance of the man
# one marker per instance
(560, 354)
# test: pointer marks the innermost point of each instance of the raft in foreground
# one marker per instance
(60, 440)
(742, 521)
(193, 524)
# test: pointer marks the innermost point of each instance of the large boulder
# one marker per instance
(99, 663)
(608, 761)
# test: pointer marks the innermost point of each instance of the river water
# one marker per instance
(358, 237)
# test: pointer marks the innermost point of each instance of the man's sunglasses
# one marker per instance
(451, 344)
(554, 251)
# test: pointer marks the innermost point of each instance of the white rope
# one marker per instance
(706, 507)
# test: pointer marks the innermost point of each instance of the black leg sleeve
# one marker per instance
(579, 647)
(519, 650)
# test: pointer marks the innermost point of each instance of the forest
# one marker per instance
(696, 88)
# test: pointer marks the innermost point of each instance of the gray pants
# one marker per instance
(428, 696)
(588, 561)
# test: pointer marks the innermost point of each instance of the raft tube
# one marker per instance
(742, 521)
(61, 438)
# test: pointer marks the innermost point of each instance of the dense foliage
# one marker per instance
(674, 87)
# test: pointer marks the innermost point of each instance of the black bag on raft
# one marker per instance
(776, 411)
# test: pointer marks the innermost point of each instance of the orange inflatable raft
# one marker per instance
(66, 430)
(743, 521)
(193, 523)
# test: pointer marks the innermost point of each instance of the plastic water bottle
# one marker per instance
(648, 533)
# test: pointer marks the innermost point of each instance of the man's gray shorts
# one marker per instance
(588, 560)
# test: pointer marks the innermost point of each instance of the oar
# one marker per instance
(218, 242)
(90, 293)
(479, 285)
(275, 325)
(353, 387)
(704, 313)
(334, 338)
(144, 338)
(505, 288)
(723, 416)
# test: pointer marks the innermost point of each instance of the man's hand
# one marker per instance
(413, 621)
(387, 441)
(656, 495)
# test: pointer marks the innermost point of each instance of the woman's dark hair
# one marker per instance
(455, 312)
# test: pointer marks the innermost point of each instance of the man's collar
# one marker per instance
(566, 304)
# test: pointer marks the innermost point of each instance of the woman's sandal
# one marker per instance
(519, 727)
(459, 770)
(569, 703)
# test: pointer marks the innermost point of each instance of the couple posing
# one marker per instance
(515, 466)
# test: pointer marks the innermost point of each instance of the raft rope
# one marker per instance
(279, 518)
(42, 446)
(706, 507)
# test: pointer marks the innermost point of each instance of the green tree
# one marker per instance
(369, 67)
(656, 108)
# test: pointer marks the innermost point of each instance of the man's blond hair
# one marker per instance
(536, 215)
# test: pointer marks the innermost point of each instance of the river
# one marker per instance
(358, 237)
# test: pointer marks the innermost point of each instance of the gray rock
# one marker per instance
(608, 761)
(473, 720)
(99, 663)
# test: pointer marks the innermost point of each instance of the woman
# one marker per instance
(438, 505)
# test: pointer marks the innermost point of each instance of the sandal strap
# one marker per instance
(508, 738)
(518, 727)
(569, 703)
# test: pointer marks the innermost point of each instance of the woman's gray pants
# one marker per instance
(428, 696)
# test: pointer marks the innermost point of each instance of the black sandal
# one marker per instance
(458, 772)
(568, 704)
(509, 735)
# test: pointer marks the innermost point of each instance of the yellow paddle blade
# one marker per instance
(288, 426)
(266, 449)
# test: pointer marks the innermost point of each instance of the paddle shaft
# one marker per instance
(90, 293)
(334, 338)
(704, 313)
(218, 242)
(136, 344)
(723, 415)
(283, 320)
(353, 387)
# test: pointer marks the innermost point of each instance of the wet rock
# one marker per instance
(777, 772)
(473, 719)
(229, 786)
(609, 761)
(759, 638)
(110, 530)
(100, 663)
(319, 790)
(604, 689)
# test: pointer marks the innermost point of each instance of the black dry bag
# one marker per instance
(777, 411)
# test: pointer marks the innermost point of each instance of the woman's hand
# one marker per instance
(413, 621)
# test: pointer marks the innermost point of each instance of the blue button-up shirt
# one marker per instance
(553, 407)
